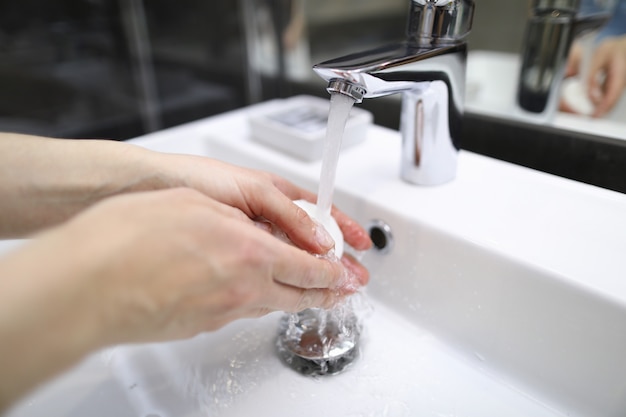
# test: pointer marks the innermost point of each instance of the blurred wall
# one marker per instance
(498, 25)
(70, 68)
(94, 68)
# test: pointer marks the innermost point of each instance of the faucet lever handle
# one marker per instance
(440, 21)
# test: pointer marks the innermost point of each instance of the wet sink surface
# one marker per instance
(502, 296)
(402, 371)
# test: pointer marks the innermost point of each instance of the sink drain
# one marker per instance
(380, 233)
(317, 342)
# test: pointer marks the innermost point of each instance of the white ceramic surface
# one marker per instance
(504, 295)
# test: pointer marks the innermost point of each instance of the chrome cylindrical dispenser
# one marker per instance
(549, 33)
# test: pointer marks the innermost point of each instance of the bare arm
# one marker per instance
(147, 265)
(45, 181)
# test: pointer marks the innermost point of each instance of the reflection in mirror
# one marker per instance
(563, 64)
(286, 37)
(597, 70)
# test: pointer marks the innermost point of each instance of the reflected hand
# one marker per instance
(606, 79)
(607, 75)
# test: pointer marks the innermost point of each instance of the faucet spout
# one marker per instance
(428, 69)
(345, 87)
(432, 82)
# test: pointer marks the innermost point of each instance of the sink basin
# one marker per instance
(502, 294)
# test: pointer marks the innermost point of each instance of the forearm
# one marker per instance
(45, 181)
(48, 317)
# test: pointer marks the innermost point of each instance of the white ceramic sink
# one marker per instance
(504, 294)
(492, 87)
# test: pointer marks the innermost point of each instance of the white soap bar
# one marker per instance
(297, 126)
(574, 93)
(329, 224)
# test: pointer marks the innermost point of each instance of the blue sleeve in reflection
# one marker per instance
(616, 26)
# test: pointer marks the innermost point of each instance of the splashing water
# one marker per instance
(322, 342)
(318, 341)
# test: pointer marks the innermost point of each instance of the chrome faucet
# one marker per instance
(428, 68)
(551, 27)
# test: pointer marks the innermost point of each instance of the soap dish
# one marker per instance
(297, 126)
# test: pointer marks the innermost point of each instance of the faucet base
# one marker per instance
(429, 154)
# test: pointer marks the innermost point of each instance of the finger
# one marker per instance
(355, 269)
(270, 199)
(264, 225)
(311, 298)
(299, 227)
(291, 190)
(220, 208)
(297, 268)
(597, 67)
(353, 233)
(284, 298)
(231, 212)
(613, 87)
(293, 300)
(573, 62)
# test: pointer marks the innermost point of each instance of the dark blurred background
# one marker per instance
(121, 68)
(116, 69)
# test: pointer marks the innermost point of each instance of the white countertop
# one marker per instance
(575, 230)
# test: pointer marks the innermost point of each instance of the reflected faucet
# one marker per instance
(550, 30)
(428, 68)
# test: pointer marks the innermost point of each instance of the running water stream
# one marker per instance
(318, 341)
(340, 106)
